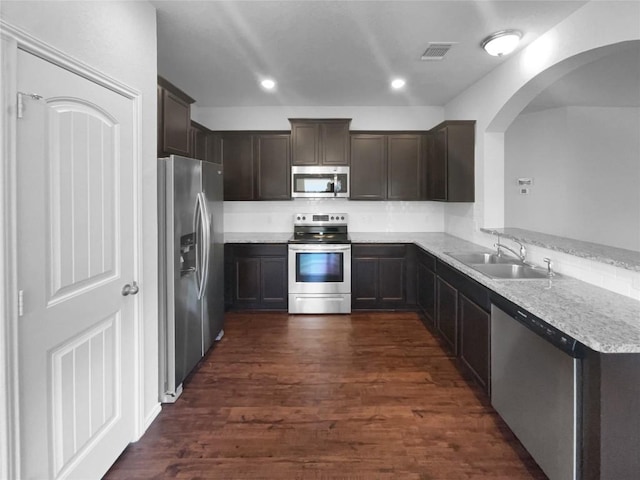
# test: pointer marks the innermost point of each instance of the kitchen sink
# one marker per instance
(481, 258)
(500, 267)
(506, 271)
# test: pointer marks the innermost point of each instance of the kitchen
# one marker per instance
(127, 50)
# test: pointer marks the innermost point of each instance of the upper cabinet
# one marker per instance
(204, 144)
(174, 120)
(450, 161)
(387, 166)
(257, 165)
(319, 141)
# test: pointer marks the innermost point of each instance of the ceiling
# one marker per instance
(336, 53)
(611, 81)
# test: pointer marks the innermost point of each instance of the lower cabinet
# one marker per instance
(382, 277)
(256, 276)
(475, 325)
(426, 285)
(447, 313)
(459, 310)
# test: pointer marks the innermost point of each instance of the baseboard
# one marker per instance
(155, 411)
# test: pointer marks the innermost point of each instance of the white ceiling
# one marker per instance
(336, 53)
(611, 81)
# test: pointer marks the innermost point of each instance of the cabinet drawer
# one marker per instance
(258, 249)
(379, 250)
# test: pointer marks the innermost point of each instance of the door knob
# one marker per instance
(130, 289)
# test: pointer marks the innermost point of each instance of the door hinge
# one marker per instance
(20, 303)
(34, 96)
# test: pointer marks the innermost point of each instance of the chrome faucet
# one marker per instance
(548, 262)
(522, 255)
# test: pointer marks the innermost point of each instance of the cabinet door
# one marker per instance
(272, 167)
(437, 166)
(273, 277)
(404, 167)
(247, 280)
(447, 313)
(198, 146)
(334, 143)
(237, 160)
(304, 143)
(427, 291)
(391, 281)
(364, 285)
(474, 339)
(176, 123)
(368, 167)
(213, 149)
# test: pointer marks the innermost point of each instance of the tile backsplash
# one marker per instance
(363, 216)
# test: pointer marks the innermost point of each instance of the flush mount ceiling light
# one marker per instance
(398, 83)
(502, 43)
(268, 84)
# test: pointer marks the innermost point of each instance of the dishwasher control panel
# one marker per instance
(550, 333)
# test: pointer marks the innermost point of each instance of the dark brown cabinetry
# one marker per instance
(272, 166)
(237, 161)
(256, 276)
(256, 165)
(174, 120)
(387, 166)
(463, 320)
(475, 325)
(382, 277)
(450, 161)
(320, 141)
(426, 285)
(447, 313)
(204, 144)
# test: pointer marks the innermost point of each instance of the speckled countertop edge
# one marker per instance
(618, 257)
(602, 320)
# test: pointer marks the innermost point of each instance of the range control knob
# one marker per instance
(304, 218)
(342, 218)
(298, 218)
(331, 217)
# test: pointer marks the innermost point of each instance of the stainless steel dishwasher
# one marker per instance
(535, 387)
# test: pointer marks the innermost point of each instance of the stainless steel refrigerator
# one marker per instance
(191, 266)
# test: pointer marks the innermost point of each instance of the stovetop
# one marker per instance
(320, 228)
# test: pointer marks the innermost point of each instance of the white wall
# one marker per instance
(585, 162)
(497, 99)
(363, 216)
(118, 39)
(276, 118)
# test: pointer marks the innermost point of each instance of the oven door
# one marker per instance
(319, 268)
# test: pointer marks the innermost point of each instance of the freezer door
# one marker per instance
(213, 306)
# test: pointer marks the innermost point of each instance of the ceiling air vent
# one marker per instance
(437, 50)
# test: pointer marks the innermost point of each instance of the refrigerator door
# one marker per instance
(213, 306)
(181, 318)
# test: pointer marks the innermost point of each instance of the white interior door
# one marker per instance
(75, 254)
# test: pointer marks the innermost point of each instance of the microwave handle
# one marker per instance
(335, 184)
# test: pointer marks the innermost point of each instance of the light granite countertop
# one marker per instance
(618, 257)
(602, 320)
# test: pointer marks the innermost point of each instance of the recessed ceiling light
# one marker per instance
(502, 43)
(397, 83)
(268, 84)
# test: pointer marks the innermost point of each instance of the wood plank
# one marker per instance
(362, 396)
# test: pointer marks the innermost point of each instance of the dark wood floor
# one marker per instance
(361, 396)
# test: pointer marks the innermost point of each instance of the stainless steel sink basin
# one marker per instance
(513, 272)
(481, 258)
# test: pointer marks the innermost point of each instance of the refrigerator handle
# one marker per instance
(206, 240)
(197, 221)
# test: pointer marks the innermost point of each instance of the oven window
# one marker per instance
(319, 267)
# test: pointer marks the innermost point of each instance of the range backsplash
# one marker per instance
(390, 216)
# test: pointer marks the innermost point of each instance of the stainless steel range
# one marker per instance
(320, 264)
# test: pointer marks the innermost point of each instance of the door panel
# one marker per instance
(76, 242)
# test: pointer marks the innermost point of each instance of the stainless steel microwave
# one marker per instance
(320, 181)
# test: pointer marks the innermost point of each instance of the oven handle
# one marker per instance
(323, 248)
